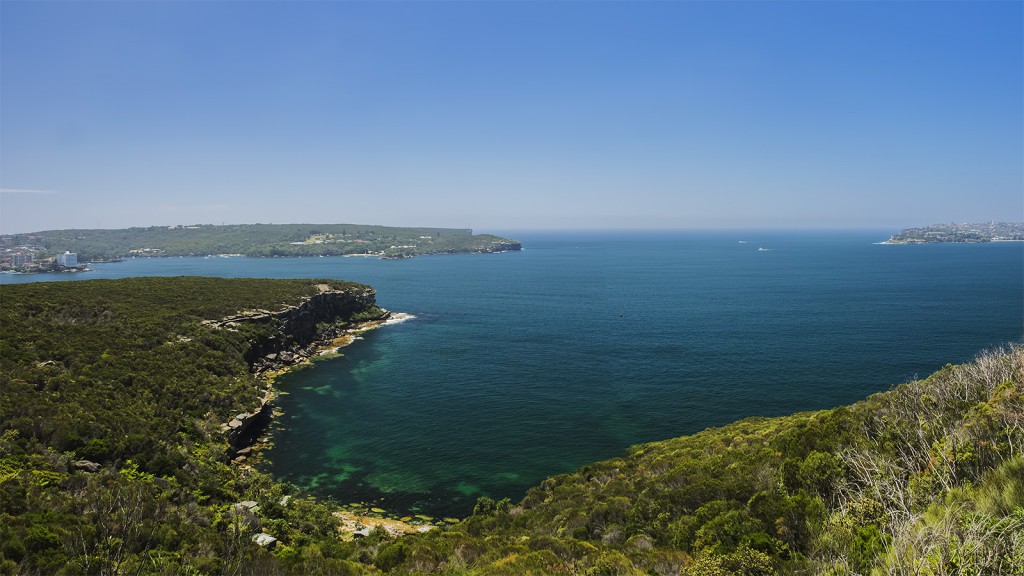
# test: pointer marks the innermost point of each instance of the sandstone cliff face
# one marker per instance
(296, 333)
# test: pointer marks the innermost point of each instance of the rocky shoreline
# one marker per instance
(245, 430)
(494, 248)
(319, 326)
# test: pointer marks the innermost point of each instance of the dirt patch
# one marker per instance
(354, 525)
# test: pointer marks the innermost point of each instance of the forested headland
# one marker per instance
(261, 240)
(115, 458)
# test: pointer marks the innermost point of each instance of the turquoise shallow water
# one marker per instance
(523, 365)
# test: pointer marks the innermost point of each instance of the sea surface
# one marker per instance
(527, 364)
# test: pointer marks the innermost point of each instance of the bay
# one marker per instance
(523, 365)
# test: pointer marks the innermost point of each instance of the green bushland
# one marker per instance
(124, 373)
(262, 240)
(923, 479)
(926, 478)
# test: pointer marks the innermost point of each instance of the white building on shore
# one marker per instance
(67, 259)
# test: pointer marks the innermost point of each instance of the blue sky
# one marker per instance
(511, 115)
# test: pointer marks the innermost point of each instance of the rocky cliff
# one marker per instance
(296, 332)
(291, 336)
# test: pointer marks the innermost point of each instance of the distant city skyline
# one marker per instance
(511, 116)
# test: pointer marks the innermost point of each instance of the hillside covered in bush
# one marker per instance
(261, 240)
(114, 458)
(113, 400)
(927, 478)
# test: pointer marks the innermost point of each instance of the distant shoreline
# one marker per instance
(993, 241)
(977, 233)
(258, 241)
(34, 272)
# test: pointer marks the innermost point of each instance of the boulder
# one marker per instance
(264, 539)
(86, 466)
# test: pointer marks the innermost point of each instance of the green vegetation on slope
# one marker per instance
(927, 478)
(923, 479)
(263, 240)
(124, 374)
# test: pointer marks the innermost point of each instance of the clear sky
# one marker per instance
(511, 115)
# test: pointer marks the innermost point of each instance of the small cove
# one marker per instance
(523, 365)
(527, 365)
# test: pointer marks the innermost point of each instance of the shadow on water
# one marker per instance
(322, 453)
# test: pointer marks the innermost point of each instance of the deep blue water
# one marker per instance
(523, 365)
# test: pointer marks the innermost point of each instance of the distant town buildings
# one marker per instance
(963, 233)
(29, 259)
(67, 259)
(18, 257)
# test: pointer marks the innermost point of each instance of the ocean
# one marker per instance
(522, 365)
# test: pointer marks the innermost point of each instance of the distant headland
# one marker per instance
(961, 233)
(255, 240)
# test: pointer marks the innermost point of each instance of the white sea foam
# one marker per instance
(398, 318)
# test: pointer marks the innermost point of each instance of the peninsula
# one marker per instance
(256, 240)
(961, 233)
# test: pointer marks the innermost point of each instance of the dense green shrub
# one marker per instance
(925, 478)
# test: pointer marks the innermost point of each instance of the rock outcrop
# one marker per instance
(299, 330)
(244, 429)
(86, 466)
(297, 333)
